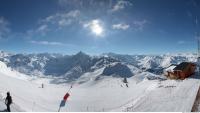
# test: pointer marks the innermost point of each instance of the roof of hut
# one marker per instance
(182, 66)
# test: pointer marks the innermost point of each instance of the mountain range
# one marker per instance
(72, 67)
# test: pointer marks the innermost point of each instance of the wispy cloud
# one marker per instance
(70, 2)
(62, 19)
(120, 5)
(54, 22)
(42, 29)
(139, 25)
(120, 26)
(4, 27)
(47, 43)
(185, 42)
(81, 4)
(181, 42)
(64, 22)
(73, 13)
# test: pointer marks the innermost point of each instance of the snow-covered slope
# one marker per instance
(168, 96)
(93, 92)
(103, 94)
(10, 72)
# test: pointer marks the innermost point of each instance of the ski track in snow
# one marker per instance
(170, 95)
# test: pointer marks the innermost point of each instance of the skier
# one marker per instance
(8, 101)
(126, 84)
(125, 81)
(42, 85)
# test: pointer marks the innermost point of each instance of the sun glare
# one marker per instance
(96, 28)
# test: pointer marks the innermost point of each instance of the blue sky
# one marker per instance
(99, 26)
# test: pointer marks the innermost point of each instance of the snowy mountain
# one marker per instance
(119, 70)
(72, 67)
(57, 65)
(153, 63)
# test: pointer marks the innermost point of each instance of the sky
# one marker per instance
(99, 26)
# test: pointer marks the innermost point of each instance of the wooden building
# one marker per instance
(182, 71)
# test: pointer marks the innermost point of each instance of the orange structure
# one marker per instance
(182, 71)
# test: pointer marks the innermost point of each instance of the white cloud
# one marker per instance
(84, 3)
(120, 26)
(42, 29)
(64, 22)
(54, 22)
(62, 19)
(139, 25)
(47, 43)
(73, 13)
(4, 29)
(120, 5)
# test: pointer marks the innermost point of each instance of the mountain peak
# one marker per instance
(80, 53)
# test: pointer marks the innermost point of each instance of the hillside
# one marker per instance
(97, 86)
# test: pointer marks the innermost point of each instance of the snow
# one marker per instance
(74, 66)
(106, 94)
(169, 95)
(9, 72)
(93, 92)
(169, 69)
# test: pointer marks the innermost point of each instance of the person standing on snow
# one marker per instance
(8, 101)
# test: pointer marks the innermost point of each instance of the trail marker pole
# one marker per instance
(63, 101)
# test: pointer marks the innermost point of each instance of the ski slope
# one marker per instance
(167, 96)
(13, 107)
(105, 94)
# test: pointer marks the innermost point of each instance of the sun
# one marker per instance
(96, 28)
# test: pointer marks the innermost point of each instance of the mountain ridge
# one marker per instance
(72, 67)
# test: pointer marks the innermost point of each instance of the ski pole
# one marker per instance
(59, 109)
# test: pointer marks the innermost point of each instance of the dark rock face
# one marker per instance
(78, 64)
(118, 70)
